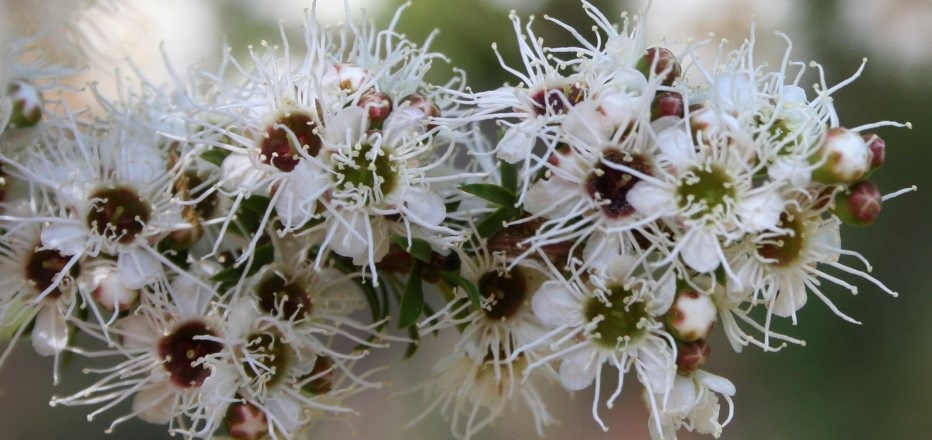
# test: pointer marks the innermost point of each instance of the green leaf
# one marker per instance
(250, 213)
(419, 249)
(412, 301)
(471, 290)
(215, 155)
(509, 174)
(493, 193)
(494, 222)
(415, 340)
(262, 256)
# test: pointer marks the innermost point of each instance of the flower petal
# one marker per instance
(578, 369)
(555, 305)
(50, 334)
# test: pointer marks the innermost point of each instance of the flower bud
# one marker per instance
(345, 77)
(666, 104)
(691, 317)
(27, 105)
(245, 421)
(878, 149)
(378, 105)
(416, 101)
(691, 355)
(844, 157)
(108, 291)
(663, 62)
(859, 205)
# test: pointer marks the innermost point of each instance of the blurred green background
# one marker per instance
(872, 381)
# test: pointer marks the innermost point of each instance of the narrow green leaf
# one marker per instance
(509, 174)
(412, 301)
(493, 193)
(419, 249)
(415, 341)
(471, 290)
(215, 155)
(256, 204)
(494, 222)
(263, 255)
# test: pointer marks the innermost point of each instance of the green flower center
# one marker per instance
(705, 192)
(783, 250)
(268, 358)
(619, 316)
(370, 168)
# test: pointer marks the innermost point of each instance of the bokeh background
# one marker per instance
(869, 381)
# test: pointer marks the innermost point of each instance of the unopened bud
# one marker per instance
(416, 101)
(859, 205)
(27, 105)
(345, 77)
(666, 104)
(844, 157)
(663, 62)
(108, 291)
(692, 315)
(691, 355)
(878, 150)
(245, 421)
(378, 105)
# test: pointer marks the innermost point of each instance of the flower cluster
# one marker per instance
(237, 242)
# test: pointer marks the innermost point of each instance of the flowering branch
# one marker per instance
(223, 237)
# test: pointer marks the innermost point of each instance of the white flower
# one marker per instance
(711, 193)
(692, 404)
(38, 287)
(610, 320)
(165, 347)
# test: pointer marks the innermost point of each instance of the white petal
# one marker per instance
(649, 199)
(238, 172)
(578, 369)
(141, 164)
(515, 145)
(554, 305)
(137, 331)
(792, 297)
(297, 197)
(796, 172)
(676, 146)
(761, 211)
(50, 333)
(716, 383)
(346, 126)
(543, 196)
(700, 251)
(351, 239)
(426, 206)
(286, 412)
(138, 268)
(154, 405)
(66, 238)
(403, 124)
